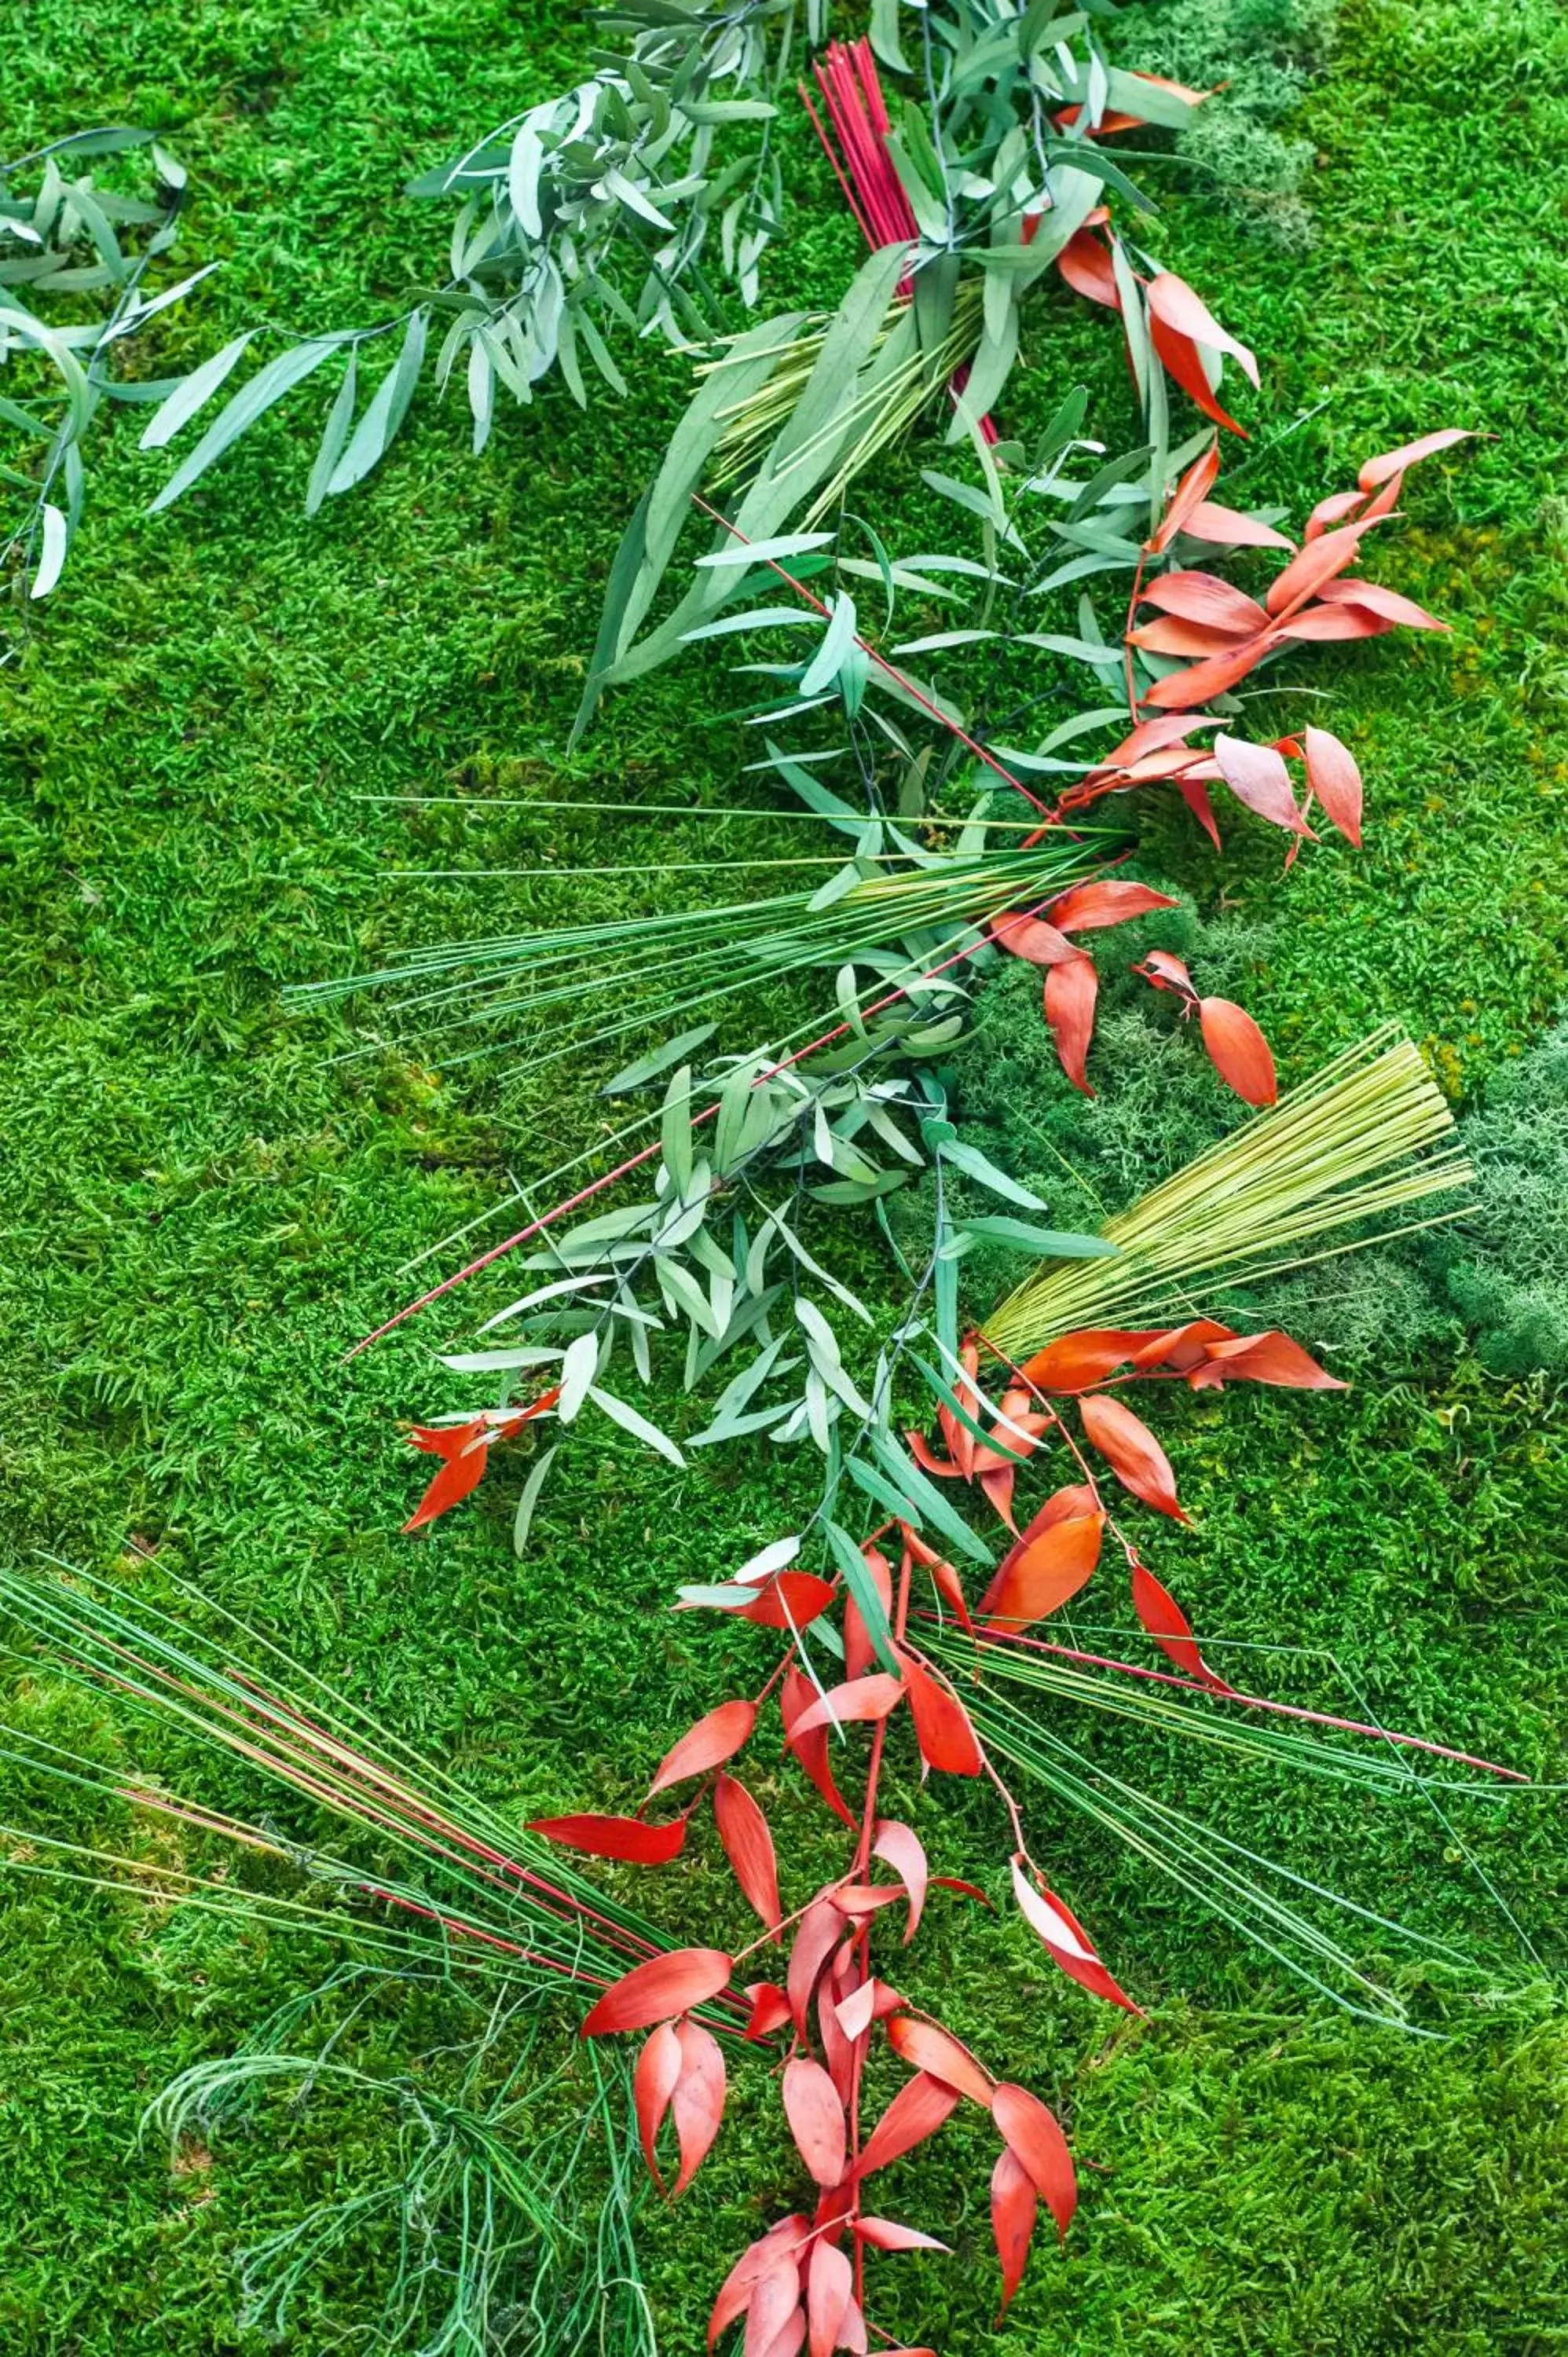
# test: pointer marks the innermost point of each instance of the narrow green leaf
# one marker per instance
(268, 385)
(192, 392)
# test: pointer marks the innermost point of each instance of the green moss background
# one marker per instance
(200, 1209)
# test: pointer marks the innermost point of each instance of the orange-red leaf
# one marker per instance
(1394, 462)
(858, 1699)
(762, 2257)
(715, 1739)
(818, 1934)
(796, 1696)
(1064, 1938)
(925, 2046)
(916, 2111)
(1074, 1361)
(1014, 2206)
(1039, 1575)
(769, 2009)
(1188, 498)
(1182, 357)
(1132, 1453)
(1085, 264)
(699, 2102)
(900, 1847)
(886, 2234)
(1032, 938)
(1335, 779)
(623, 1837)
(1034, 2135)
(1175, 305)
(1226, 528)
(816, 2119)
(748, 1845)
(1183, 691)
(830, 2287)
(1271, 1358)
(1256, 775)
(1087, 908)
(1334, 509)
(1315, 563)
(775, 2321)
(859, 1653)
(659, 1989)
(1205, 598)
(1071, 993)
(943, 1731)
(652, 2085)
(790, 1599)
(1169, 1627)
(1238, 1050)
(1387, 604)
(1169, 635)
(466, 1447)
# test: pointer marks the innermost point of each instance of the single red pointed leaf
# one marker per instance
(466, 1447)
(1074, 1361)
(816, 2119)
(851, 2330)
(817, 1935)
(1065, 1939)
(1169, 1627)
(925, 2046)
(1334, 778)
(838, 2051)
(1166, 732)
(774, 2319)
(748, 1845)
(1394, 462)
(1032, 938)
(652, 2085)
(916, 2111)
(1335, 625)
(1132, 1453)
(769, 2009)
(965, 1890)
(1335, 509)
(859, 1653)
(949, 1588)
(1226, 528)
(1271, 1358)
(925, 1457)
(1014, 2207)
(1238, 1050)
(796, 1696)
(659, 1989)
(699, 2101)
(1195, 796)
(873, 2001)
(1182, 1347)
(1256, 775)
(1316, 563)
(1034, 2135)
(716, 1737)
(1041, 1576)
(623, 1837)
(1384, 502)
(1168, 635)
(1205, 598)
(765, 2254)
(900, 1847)
(997, 1483)
(857, 1700)
(1188, 497)
(1087, 908)
(859, 1899)
(1184, 361)
(1183, 691)
(790, 1599)
(1386, 603)
(943, 1731)
(959, 1438)
(886, 2234)
(1162, 970)
(1071, 993)
(830, 2287)
(1063, 1506)
(1175, 305)
(1087, 268)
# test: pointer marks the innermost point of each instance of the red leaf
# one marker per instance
(1332, 775)
(1205, 598)
(714, 1740)
(926, 2048)
(916, 2111)
(1174, 303)
(775, 2323)
(1087, 908)
(810, 1751)
(1386, 603)
(1014, 2206)
(1333, 509)
(1169, 1627)
(886, 2234)
(659, 1989)
(859, 1899)
(1188, 498)
(748, 1845)
(1318, 562)
(1168, 635)
(1256, 775)
(816, 2119)
(1238, 1050)
(1041, 1574)
(652, 2085)
(949, 1588)
(1132, 1453)
(928, 1461)
(1394, 462)
(769, 2009)
(790, 1599)
(1162, 970)
(857, 1700)
(761, 2258)
(1225, 528)
(699, 2105)
(1062, 1506)
(900, 1847)
(1271, 1358)
(941, 1724)
(1074, 1361)
(873, 2001)
(997, 1483)
(624, 1838)
(1034, 2136)
(1085, 264)
(858, 1649)
(1183, 1347)
(466, 1447)
(820, 1928)
(829, 2286)
(1334, 625)
(1182, 358)
(1184, 690)
(1070, 993)
(1194, 794)
(1030, 937)
(1066, 1940)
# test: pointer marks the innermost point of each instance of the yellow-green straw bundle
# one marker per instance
(1361, 1140)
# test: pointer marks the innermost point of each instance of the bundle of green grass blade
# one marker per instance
(1356, 1145)
(654, 971)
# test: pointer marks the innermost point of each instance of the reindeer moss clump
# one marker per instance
(1505, 1269)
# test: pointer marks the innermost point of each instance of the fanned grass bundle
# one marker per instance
(1351, 1148)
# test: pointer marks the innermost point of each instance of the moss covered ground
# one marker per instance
(200, 1208)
